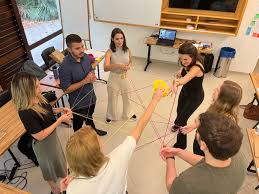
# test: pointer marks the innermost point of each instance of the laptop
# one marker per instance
(166, 37)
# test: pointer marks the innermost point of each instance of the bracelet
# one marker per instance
(172, 157)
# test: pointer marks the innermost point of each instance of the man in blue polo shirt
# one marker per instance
(76, 79)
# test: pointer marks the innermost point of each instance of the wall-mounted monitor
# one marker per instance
(210, 5)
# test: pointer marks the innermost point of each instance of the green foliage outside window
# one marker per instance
(38, 10)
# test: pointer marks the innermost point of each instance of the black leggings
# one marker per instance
(79, 120)
(187, 104)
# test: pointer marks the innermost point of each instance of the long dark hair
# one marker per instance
(113, 34)
(187, 48)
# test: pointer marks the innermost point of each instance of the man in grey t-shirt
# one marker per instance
(221, 171)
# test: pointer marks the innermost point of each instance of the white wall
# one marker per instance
(149, 16)
(75, 17)
(247, 47)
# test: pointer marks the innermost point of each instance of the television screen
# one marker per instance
(213, 5)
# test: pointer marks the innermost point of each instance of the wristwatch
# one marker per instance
(172, 157)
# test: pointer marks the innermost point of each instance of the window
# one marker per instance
(42, 25)
(57, 42)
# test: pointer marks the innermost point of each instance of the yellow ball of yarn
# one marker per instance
(162, 85)
(97, 59)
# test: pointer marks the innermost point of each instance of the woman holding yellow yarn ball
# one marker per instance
(191, 96)
(118, 62)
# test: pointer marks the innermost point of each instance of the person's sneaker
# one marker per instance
(175, 128)
(134, 117)
(180, 145)
(100, 132)
(108, 121)
(35, 161)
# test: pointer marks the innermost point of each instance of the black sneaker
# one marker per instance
(63, 192)
(134, 117)
(108, 121)
(100, 132)
(175, 128)
(35, 161)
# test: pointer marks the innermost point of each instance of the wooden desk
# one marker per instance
(7, 189)
(49, 80)
(11, 129)
(151, 41)
(255, 80)
(255, 161)
(48, 83)
(59, 94)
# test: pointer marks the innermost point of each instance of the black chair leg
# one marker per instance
(62, 100)
(249, 167)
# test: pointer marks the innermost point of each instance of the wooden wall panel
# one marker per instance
(4, 2)
(14, 49)
(16, 62)
(11, 55)
(6, 42)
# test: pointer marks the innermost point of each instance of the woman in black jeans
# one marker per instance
(192, 94)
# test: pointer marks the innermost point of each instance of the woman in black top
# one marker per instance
(192, 94)
(39, 121)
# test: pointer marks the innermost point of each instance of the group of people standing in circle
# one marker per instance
(95, 172)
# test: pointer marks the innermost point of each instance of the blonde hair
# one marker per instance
(228, 100)
(23, 89)
(84, 154)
